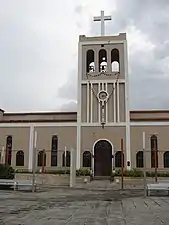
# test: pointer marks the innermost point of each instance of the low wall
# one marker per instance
(140, 180)
(50, 179)
(63, 180)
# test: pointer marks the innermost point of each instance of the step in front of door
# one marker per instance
(101, 178)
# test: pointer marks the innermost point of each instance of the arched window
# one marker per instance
(67, 159)
(54, 150)
(102, 60)
(41, 158)
(154, 151)
(20, 158)
(8, 156)
(166, 159)
(118, 159)
(115, 60)
(87, 159)
(139, 159)
(90, 66)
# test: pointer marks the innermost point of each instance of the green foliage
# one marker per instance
(22, 171)
(6, 172)
(159, 174)
(112, 176)
(61, 171)
(133, 173)
(58, 171)
(129, 173)
(164, 174)
(139, 173)
(83, 172)
(118, 172)
(86, 172)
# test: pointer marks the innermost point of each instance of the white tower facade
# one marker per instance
(103, 86)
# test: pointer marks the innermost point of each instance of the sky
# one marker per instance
(39, 44)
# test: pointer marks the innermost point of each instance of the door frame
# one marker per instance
(102, 139)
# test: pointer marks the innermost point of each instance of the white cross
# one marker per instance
(102, 18)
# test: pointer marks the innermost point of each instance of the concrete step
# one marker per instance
(101, 178)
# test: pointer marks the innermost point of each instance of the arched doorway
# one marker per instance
(102, 158)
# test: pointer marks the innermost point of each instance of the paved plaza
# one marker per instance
(83, 207)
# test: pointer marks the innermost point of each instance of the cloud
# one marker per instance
(37, 45)
(70, 106)
(38, 50)
(147, 28)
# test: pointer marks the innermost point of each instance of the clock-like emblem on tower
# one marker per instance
(102, 95)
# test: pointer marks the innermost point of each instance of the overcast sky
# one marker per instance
(38, 50)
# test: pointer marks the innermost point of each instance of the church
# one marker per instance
(102, 130)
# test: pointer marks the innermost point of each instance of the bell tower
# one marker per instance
(103, 83)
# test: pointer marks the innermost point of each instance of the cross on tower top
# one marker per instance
(102, 18)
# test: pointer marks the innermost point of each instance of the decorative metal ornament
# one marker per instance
(103, 114)
(104, 73)
(103, 95)
(102, 124)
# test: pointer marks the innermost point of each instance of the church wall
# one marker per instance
(120, 37)
(1, 114)
(95, 105)
(122, 102)
(149, 115)
(84, 105)
(20, 141)
(111, 104)
(84, 59)
(96, 49)
(66, 137)
(61, 117)
(137, 142)
(89, 135)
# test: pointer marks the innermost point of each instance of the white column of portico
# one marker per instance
(78, 128)
(31, 139)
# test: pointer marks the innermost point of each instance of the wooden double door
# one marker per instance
(102, 158)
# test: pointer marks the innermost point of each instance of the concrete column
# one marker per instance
(78, 147)
(31, 138)
(96, 60)
(13, 159)
(109, 60)
(73, 168)
(3, 155)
